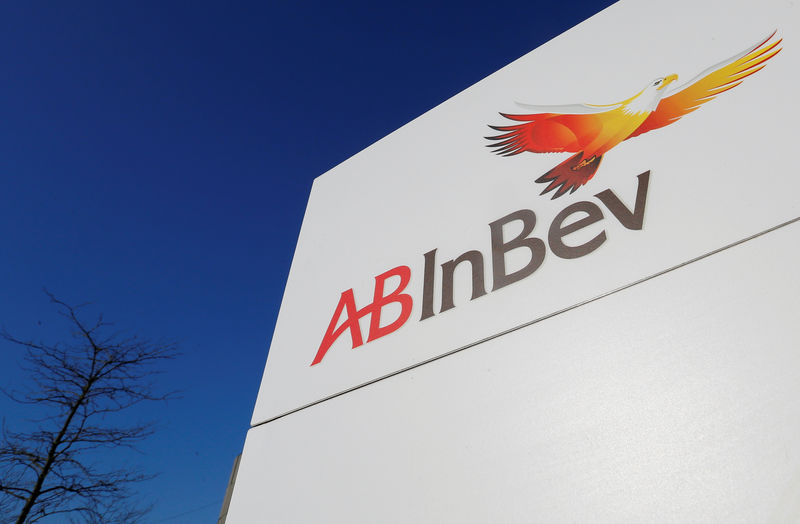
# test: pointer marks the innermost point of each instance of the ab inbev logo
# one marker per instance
(588, 131)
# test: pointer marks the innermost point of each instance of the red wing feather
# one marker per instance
(546, 133)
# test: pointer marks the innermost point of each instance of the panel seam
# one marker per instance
(530, 322)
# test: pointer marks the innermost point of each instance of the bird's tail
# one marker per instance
(570, 174)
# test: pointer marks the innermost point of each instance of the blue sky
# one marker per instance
(156, 158)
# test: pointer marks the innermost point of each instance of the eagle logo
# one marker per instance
(590, 130)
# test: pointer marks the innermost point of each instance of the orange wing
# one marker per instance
(708, 84)
(548, 132)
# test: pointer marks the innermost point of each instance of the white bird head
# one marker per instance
(648, 98)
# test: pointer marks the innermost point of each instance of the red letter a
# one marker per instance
(346, 301)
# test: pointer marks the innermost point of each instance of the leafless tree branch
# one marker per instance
(79, 385)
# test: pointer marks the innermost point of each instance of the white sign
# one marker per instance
(427, 242)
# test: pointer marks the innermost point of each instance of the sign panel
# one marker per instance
(467, 223)
(676, 400)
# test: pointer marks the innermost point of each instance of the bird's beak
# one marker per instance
(667, 80)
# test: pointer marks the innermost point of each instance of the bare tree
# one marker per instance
(78, 388)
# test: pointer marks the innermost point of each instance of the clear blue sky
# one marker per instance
(156, 158)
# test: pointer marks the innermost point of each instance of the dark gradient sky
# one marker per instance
(156, 158)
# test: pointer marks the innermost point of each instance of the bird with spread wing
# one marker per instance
(590, 131)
